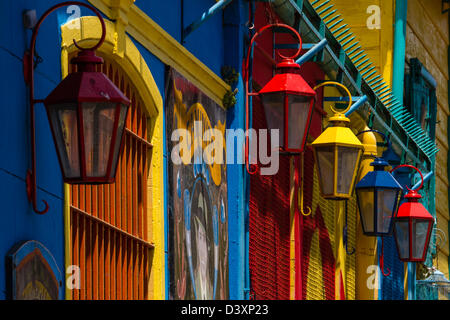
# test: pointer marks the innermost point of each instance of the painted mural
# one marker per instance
(33, 273)
(198, 218)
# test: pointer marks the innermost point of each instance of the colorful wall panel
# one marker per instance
(198, 218)
(427, 39)
(269, 227)
(327, 273)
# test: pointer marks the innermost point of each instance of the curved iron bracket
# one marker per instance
(300, 189)
(29, 65)
(254, 168)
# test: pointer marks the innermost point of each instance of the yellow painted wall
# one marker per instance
(377, 44)
(427, 38)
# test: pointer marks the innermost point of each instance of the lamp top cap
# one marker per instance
(412, 195)
(339, 117)
(87, 57)
(379, 164)
(288, 63)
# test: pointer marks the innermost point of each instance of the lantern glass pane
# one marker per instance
(366, 207)
(120, 129)
(386, 200)
(298, 119)
(325, 164)
(273, 104)
(419, 233)
(402, 238)
(64, 122)
(98, 126)
(347, 161)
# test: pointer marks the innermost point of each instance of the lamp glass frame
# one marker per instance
(115, 148)
(410, 221)
(335, 195)
(374, 193)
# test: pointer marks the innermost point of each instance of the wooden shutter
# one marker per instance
(420, 98)
(109, 227)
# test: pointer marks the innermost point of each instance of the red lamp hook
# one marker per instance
(261, 31)
(412, 167)
(386, 274)
(298, 190)
(246, 78)
(29, 79)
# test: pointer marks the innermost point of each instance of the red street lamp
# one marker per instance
(86, 113)
(287, 100)
(412, 226)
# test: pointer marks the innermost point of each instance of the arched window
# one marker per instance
(109, 226)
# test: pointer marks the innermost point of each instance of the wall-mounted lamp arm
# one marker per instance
(385, 138)
(415, 188)
(356, 105)
(312, 52)
(425, 179)
(205, 16)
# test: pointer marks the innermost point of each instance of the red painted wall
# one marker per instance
(269, 206)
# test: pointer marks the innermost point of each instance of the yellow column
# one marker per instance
(67, 198)
(119, 13)
(292, 231)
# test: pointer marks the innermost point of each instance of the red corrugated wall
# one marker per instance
(269, 228)
(269, 206)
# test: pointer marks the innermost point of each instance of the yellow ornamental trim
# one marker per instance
(87, 31)
(88, 34)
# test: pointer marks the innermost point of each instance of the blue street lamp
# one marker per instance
(378, 195)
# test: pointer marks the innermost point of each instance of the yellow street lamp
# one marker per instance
(337, 153)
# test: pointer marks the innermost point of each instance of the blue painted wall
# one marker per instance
(18, 222)
(392, 286)
(234, 19)
(206, 42)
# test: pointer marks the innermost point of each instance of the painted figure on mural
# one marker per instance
(202, 280)
(198, 222)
